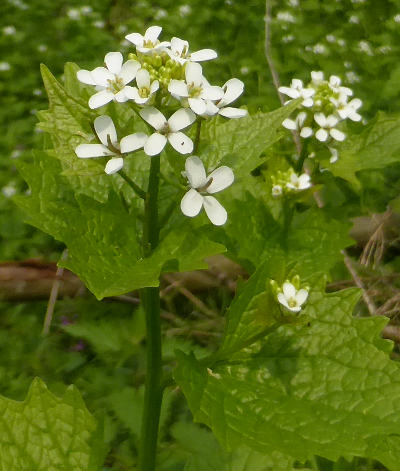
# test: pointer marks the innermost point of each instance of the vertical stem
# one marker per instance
(302, 158)
(151, 303)
(197, 139)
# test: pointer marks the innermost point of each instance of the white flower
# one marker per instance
(168, 130)
(327, 128)
(296, 90)
(179, 52)
(195, 89)
(111, 80)
(297, 125)
(291, 298)
(145, 88)
(297, 182)
(9, 30)
(317, 77)
(334, 84)
(233, 88)
(349, 109)
(277, 190)
(9, 190)
(109, 146)
(4, 66)
(201, 185)
(73, 14)
(148, 43)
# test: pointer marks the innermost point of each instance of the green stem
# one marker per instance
(302, 158)
(151, 303)
(288, 210)
(197, 139)
(136, 188)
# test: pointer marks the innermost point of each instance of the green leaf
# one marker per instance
(103, 239)
(239, 143)
(377, 146)
(45, 432)
(327, 388)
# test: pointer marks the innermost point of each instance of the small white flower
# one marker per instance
(327, 128)
(335, 86)
(292, 298)
(202, 186)
(9, 30)
(9, 190)
(145, 88)
(296, 90)
(4, 66)
(110, 146)
(86, 10)
(195, 89)
(349, 109)
(317, 77)
(277, 190)
(232, 89)
(297, 125)
(148, 43)
(179, 52)
(168, 130)
(73, 14)
(111, 81)
(185, 10)
(297, 182)
(99, 24)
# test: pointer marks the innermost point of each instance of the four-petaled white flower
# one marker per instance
(149, 42)
(233, 88)
(145, 88)
(327, 127)
(297, 125)
(179, 52)
(349, 109)
(168, 130)
(334, 84)
(109, 146)
(292, 298)
(277, 190)
(111, 81)
(297, 90)
(195, 89)
(202, 186)
(317, 77)
(297, 182)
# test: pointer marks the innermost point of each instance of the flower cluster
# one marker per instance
(164, 85)
(325, 104)
(290, 295)
(289, 182)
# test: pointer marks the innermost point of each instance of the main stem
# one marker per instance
(151, 303)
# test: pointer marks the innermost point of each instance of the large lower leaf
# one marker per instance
(326, 388)
(45, 432)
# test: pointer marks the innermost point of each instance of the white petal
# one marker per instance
(317, 76)
(215, 211)
(181, 119)
(230, 112)
(297, 84)
(197, 105)
(135, 38)
(222, 177)
(211, 108)
(121, 96)
(301, 296)
(191, 203)
(178, 87)
(104, 127)
(304, 181)
(131, 93)
(212, 93)
(283, 300)
(355, 103)
(195, 172)
(85, 76)
(320, 119)
(193, 73)
(300, 118)
(337, 135)
(87, 151)
(113, 61)
(233, 89)
(180, 142)
(154, 87)
(114, 165)
(177, 45)
(331, 121)
(152, 33)
(155, 144)
(308, 102)
(289, 124)
(133, 142)
(306, 132)
(143, 78)
(100, 99)
(288, 290)
(307, 92)
(102, 76)
(154, 117)
(203, 55)
(289, 92)
(355, 116)
(129, 71)
(321, 135)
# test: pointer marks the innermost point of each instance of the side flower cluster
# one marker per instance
(289, 182)
(163, 83)
(326, 103)
(290, 295)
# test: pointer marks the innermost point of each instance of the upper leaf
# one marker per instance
(46, 432)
